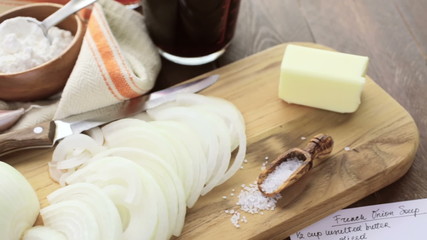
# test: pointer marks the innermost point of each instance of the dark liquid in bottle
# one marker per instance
(191, 28)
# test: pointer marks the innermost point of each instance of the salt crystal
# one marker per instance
(263, 167)
(224, 197)
(251, 200)
(235, 219)
(245, 161)
(280, 174)
(266, 158)
(303, 138)
(347, 148)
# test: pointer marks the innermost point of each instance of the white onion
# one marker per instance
(224, 154)
(189, 139)
(153, 165)
(19, 205)
(71, 153)
(135, 192)
(143, 116)
(106, 214)
(183, 156)
(139, 134)
(199, 124)
(165, 176)
(96, 134)
(73, 218)
(215, 136)
(43, 233)
(231, 115)
(121, 134)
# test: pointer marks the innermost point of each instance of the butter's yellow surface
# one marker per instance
(322, 79)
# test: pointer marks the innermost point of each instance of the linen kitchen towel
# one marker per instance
(117, 61)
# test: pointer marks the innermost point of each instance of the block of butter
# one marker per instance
(322, 79)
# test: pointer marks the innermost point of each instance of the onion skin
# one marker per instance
(18, 203)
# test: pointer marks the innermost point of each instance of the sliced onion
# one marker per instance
(224, 154)
(106, 214)
(143, 116)
(18, 203)
(139, 134)
(73, 218)
(164, 175)
(71, 153)
(135, 193)
(201, 126)
(231, 115)
(152, 170)
(43, 233)
(96, 134)
(75, 145)
(122, 133)
(73, 162)
(54, 172)
(190, 167)
(192, 145)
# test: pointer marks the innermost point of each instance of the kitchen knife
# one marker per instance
(48, 133)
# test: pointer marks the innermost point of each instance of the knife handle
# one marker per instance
(41, 135)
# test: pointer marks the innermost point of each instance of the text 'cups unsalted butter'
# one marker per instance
(322, 79)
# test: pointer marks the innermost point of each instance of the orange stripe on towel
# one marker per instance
(92, 50)
(110, 63)
(123, 61)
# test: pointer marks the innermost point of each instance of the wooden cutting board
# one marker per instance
(382, 136)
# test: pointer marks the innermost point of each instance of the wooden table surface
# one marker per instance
(392, 33)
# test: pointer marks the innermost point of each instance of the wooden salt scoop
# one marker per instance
(316, 150)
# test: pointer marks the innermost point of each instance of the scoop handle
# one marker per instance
(71, 7)
(320, 146)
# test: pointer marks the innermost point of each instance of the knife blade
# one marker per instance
(48, 133)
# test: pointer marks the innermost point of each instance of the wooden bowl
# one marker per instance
(49, 78)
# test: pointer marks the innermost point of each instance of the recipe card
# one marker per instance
(392, 221)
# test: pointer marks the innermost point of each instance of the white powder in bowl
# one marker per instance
(23, 45)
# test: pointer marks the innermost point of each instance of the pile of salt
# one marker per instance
(251, 200)
(282, 172)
